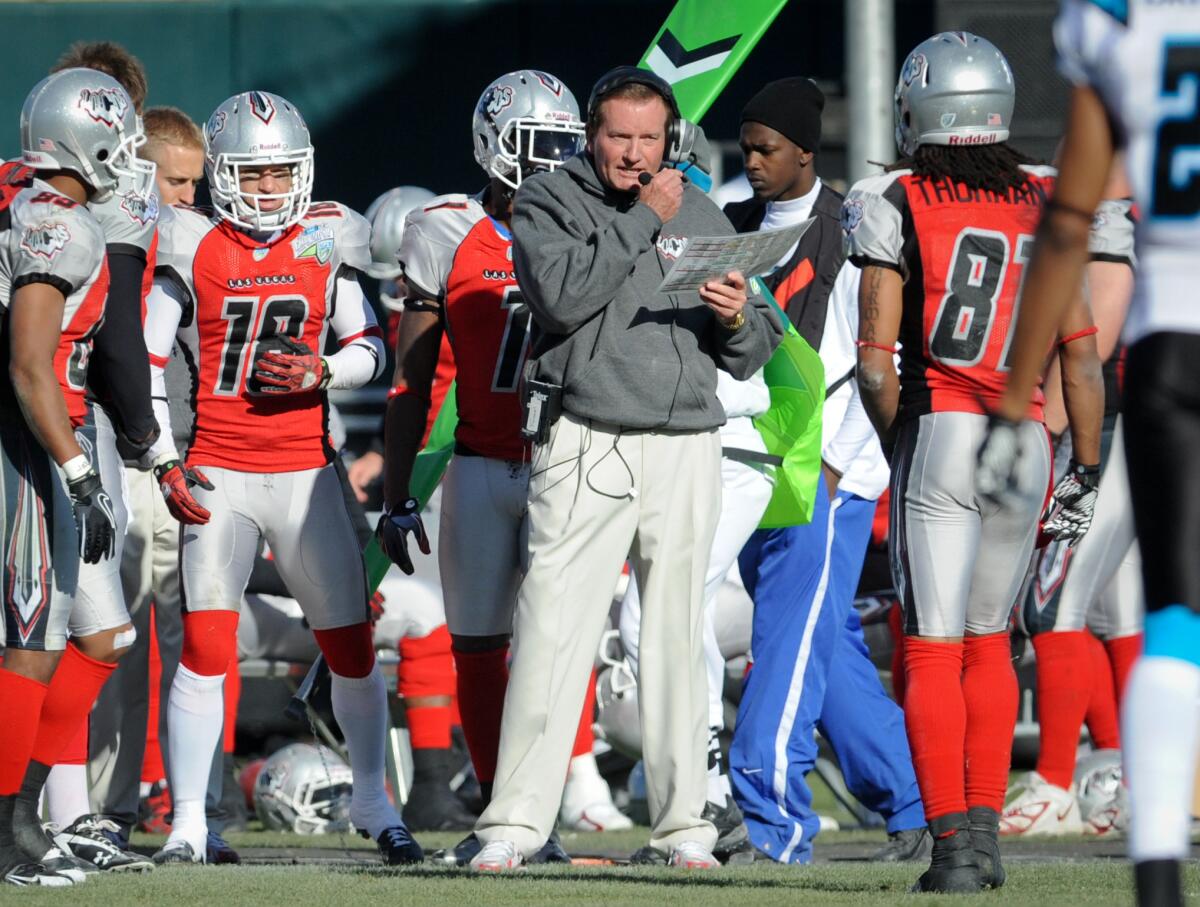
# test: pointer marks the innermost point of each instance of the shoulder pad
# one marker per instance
(349, 231)
(127, 218)
(432, 234)
(180, 231)
(54, 238)
(872, 223)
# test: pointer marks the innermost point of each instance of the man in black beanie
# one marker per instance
(812, 669)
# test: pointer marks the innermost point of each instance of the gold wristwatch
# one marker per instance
(736, 322)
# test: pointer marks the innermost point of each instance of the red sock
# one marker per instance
(1123, 652)
(153, 768)
(233, 695)
(584, 736)
(1064, 689)
(349, 651)
(895, 621)
(1101, 715)
(76, 750)
(69, 698)
(21, 701)
(936, 719)
(482, 682)
(426, 670)
(990, 691)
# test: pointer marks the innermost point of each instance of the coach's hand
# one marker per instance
(663, 194)
(726, 298)
(175, 481)
(996, 462)
(296, 369)
(1068, 516)
(93, 518)
(393, 530)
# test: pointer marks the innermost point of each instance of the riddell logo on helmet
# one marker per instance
(104, 105)
(982, 138)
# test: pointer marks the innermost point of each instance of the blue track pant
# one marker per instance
(812, 670)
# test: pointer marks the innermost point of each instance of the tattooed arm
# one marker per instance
(879, 307)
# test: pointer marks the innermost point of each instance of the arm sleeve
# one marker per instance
(567, 275)
(120, 367)
(164, 309)
(361, 357)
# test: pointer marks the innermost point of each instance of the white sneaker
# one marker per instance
(587, 803)
(691, 855)
(498, 856)
(1041, 808)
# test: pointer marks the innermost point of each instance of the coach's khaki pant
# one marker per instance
(596, 496)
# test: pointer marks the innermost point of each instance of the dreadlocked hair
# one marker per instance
(996, 168)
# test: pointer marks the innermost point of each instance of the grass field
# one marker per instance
(281, 869)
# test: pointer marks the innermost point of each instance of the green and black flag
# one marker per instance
(702, 44)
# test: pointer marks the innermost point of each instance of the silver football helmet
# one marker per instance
(955, 88)
(1098, 782)
(257, 129)
(386, 215)
(525, 121)
(82, 120)
(617, 716)
(305, 789)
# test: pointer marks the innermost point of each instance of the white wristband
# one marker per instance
(76, 467)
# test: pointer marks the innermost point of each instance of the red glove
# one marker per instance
(296, 370)
(175, 480)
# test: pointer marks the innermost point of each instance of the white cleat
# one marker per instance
(690, 855)
(1041, 809)
(498, 856)
(587, 803)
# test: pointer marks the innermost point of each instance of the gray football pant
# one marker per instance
(596, 497)
(959, 562)
(150, 577)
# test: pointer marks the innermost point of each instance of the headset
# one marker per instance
(681, 134)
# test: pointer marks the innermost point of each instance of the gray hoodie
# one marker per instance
(588, 260)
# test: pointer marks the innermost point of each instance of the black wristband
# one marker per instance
(1087, 475)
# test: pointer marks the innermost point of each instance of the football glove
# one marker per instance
(1069, 513)
(175, 481)
(393, 530)
(93, 518)
(296, 370)
(996, 461)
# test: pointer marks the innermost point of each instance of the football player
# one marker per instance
(457, 259)
(252, 291)
(77, 137)
(1134, 70)
(1091, 587)
(942, 239)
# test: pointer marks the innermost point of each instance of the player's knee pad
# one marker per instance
(477, 645)
(348, 650)
(1173, 632)
(209, 641)
(426, 666)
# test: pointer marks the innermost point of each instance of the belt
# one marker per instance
(739, 455)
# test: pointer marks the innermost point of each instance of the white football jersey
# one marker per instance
(128, 218)
(1142, 57)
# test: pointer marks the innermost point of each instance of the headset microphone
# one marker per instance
(645, 178)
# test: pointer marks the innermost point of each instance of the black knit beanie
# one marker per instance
(791, 107)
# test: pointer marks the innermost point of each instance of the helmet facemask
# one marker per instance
(531, 145)
(125, 164)
(244, 209)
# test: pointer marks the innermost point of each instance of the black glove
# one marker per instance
(996, 461)
(393, 529)
(1069, 513)
(93, 518)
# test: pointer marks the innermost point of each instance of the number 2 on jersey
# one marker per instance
(1176, 186)
(974, 283)
(272, 316)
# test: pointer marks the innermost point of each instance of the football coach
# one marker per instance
(621, 384)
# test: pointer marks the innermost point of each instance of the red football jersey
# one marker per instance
(963, 253)
(453, 252)
(48, 238)
(239, 296)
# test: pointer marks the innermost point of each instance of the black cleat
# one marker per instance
(176, 852)
(24, 875)
(909, 844)
(461, 853)
(732, 835)
(217, 850)
(1158, 883)
(397, 846)
(96, 840)
(551, 852)
(983, 827)
(648, 856)
(952, 867)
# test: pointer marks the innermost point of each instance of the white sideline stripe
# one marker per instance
(660, 65)
(791, 706)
